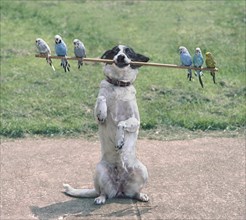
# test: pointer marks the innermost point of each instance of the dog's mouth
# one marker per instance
(121, 65)
(121, 61)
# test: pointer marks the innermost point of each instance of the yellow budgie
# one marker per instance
(210, 63)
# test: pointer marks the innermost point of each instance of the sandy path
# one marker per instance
(192, 179)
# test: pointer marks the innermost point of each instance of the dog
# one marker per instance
(119, 173)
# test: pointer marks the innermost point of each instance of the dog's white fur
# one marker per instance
(119, 173)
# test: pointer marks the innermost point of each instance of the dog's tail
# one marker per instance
(81, 193)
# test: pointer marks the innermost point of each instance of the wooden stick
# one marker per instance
(133, 62)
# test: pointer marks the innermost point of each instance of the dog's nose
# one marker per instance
(121, 58)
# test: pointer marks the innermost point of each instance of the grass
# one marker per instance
(37, 101)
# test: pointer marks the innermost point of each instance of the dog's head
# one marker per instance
(122, 69)
(123, 55)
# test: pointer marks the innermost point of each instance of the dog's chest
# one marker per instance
(121, 101)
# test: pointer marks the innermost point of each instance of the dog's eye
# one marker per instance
(129, 52)
(115, 50)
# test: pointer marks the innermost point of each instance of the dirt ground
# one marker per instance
(202, 178)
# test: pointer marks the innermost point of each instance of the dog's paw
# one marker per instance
(143, 197)
(100, 200)
(101, 109)
(120, 143)
(120, 135)
(101, 117)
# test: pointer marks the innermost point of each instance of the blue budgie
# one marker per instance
(61, 50)
(44, 49)
(186, 60)
(79, 51)
(198, 62)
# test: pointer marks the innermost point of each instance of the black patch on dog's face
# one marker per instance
(110, 54)
(129, 52)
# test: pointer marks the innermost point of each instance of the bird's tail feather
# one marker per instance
(53, 67)
(80, 63)
(213, 75)
(200, 80)
(65, 64)
(49, 61)
(80, 193)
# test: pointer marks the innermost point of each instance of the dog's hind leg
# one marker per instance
(100, 200)
(105, 182)
(134, 194)
(136, 182)
(141, 197)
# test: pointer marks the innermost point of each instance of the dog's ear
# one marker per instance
(139, 58)
(135, 57)
(109, 54)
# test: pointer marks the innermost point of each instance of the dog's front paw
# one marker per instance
(120, 143)
(101, 117)
(101, 109)
(120, 135)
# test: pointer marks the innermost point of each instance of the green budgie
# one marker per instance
(210, 63)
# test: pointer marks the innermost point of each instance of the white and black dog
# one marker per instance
(119, 173)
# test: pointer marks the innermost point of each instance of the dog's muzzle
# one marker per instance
(121, 61)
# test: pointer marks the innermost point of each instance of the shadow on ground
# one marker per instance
(62, 209)
(86, 208)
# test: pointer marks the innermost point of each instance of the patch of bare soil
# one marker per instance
(203, 178)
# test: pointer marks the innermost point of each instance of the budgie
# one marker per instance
(197, 62)
(79, 51)
(186, 60)
(210, 63)
(44, 49)
(61, 50)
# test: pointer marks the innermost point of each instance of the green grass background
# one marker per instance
(37, 101)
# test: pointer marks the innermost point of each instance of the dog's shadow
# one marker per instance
(85, 208)
(62, 209)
